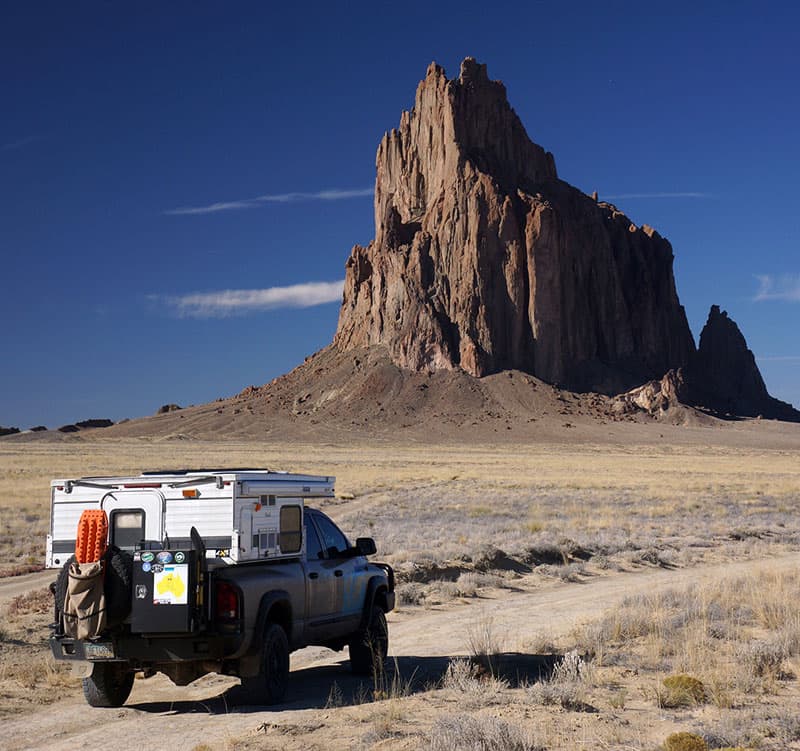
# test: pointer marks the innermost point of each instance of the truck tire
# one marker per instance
(109, 685)
(269, 686)
(369, 648)
(60, 591)
(117, 586)
(119, 574)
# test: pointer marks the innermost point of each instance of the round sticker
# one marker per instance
(164, 557)
(179, 557)
(147, 557)
(146, 566)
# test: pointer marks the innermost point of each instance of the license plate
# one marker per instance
(98, 651)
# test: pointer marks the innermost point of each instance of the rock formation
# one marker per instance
(724, 377)
(167, 408)
(485, 260)
(657, 397)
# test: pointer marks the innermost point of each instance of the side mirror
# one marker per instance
(366, 546)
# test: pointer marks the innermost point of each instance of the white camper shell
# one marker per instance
(241, 514)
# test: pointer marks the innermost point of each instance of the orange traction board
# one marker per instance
(92, 539)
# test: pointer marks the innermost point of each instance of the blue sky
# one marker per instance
(120, 119)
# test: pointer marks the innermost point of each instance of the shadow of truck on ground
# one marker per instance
(334, 685)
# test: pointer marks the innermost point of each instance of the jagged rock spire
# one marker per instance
(483, 259)
(724, 375)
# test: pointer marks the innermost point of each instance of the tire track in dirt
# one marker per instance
(163, 715)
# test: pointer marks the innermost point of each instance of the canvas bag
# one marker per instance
(85, 603)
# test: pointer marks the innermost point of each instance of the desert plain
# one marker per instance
(562, 594)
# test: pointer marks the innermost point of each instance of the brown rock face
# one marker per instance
(483, 259)
(724, 376)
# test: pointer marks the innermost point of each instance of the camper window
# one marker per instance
(127, 528)
(291, 538)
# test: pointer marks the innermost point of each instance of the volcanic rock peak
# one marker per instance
(451, 123)
(483, 259)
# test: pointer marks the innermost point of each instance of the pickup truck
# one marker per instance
(177, 607)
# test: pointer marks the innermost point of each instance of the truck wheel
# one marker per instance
(60, 591)
(119, 574)
(109, 685)
(269, 686)
(369, 648)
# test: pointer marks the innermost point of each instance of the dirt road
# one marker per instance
(159, 714)
(12, 586)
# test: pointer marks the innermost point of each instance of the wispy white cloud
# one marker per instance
(684, 194)
(785, 287)
(19, 143)
(230, 302)
(334, 194)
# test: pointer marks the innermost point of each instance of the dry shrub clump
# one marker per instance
(436, 590)
(475, 687)
(568, 686)
(461, 731)
(762, 726)
(38, 601)
(681, 691)
(685, 742)
(483, 640)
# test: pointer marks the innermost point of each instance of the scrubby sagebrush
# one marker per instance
(475, 687)
(736, 634)
(463, 732)
(568, 686)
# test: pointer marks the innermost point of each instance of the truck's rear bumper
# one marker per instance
(145, 650)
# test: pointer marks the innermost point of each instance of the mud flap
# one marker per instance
(85, 603)
(81, 668)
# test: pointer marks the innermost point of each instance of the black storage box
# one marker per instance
(164, 591)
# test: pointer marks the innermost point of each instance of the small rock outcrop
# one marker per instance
(8, 431)
(724, 377)
(484, 260)
(95, 422)
(165, 409)
(657, 397)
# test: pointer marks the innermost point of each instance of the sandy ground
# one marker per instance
(160, 714)
(13, 586)
(709, 501)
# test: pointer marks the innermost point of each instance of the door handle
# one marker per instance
(338, 572)
(313, 575)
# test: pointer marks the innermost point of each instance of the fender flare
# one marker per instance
(268, 600)
(376, 588)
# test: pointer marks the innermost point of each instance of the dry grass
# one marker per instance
(460, 522)
(734, 643)
(616, 502)
(461, 731)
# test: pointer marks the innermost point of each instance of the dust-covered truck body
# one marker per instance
(197, 571)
